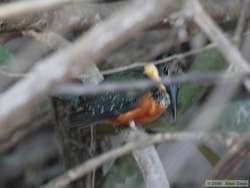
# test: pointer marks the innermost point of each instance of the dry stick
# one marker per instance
(46, 119)
(15, 163)
(237, 153)
(19, 100)
(241, 25)
(52, 40)
(76, 16)
(161, 61)
(79, 89)
(15, 9)
(91, 73)
(148, 160)
(77, 172)
(11, 74)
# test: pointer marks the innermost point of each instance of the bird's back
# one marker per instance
(89, 109)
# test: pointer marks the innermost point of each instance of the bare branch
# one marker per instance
(36, 123)
(76, 16)
(241, 25)
(15, 9)
(164, 60)
(149, 161)
(79, 89)
(52, 40)
(239, 151)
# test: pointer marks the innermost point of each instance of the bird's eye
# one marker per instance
(165, 70)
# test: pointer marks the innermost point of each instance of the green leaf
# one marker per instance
(212, 157)
(235, 117)
(189, 94)
(5, 55)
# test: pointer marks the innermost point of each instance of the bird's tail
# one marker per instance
(65, 111)
(83, 120)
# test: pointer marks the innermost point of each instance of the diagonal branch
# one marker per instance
(15, 9)
(148, 160)
(230, 53)
(239, 152)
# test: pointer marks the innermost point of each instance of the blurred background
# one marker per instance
(42, 147)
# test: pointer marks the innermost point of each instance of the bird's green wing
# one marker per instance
(90, 109)
(104, 106)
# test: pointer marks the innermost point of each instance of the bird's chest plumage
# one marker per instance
(147, 110)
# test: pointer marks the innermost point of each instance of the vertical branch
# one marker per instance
(241, 25)
(148, 160)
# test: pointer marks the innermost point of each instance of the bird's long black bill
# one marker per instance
(173, 89)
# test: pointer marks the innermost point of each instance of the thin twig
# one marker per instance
(241, 25)
(79, 89)
(161, 61)
(15, 9)
(13, 140)
(79, 171)
(91, 73)
(238, 152)
(77, 15)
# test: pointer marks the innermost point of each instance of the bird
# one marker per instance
(121, 107)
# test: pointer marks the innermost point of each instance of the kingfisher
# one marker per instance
(122, 107)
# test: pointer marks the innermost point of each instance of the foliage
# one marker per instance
(5, 55)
